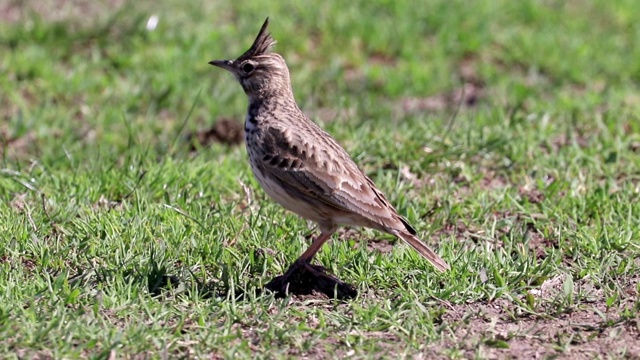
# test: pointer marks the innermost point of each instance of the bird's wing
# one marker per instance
(316, 166)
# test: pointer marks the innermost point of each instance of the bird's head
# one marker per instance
(260, 72)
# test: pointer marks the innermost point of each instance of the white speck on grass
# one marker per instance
(152, 23)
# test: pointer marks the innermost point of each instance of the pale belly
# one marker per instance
(281, 196)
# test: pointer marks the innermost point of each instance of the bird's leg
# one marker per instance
(302, 277)
(316, 244)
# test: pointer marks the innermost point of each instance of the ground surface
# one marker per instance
(508, 133)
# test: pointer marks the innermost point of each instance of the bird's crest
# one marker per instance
(263, 43)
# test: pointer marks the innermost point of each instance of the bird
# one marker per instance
(305, 169)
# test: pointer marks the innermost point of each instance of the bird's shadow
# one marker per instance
(161, 283)
(300, 282)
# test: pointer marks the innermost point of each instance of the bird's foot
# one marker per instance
(303, 278)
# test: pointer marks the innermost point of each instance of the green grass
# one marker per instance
(531, 194)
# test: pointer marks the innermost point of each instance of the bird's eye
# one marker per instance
(247, 68)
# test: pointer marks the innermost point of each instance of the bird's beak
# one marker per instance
(225, 64)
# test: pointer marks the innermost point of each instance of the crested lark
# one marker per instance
(305, 170)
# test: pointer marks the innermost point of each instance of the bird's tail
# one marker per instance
(424, 250)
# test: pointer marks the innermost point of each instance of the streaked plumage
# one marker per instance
(301, 166)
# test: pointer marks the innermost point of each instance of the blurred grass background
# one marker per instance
(506, 131)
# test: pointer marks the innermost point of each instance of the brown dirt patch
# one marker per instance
(538, 243)
(347, 233)
(225, 131)
(492, 181)
(415, 180)
(18, 202)
(562, 141)
(532, 195)
(501, 329)
(104, 203)
(332, 346)
(24, 263)
(16, 146)
(467, 95)
(491, 331)
(468, 70)
(382, 245)
(380, 58)
(330, 114)
(21, 146)
(522, 227)
(507, 223)
(459, 230)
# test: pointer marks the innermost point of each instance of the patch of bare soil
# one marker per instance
(383, 246)
(346, 233)
(380, 58)
(521, 226)
(24, 263)
(459, 230)
(538, 243)
(333, 346)
(468, 95)
(329, 114)
(588, 332)
(15, 146)
(532, 193)
(18, 202)
(104, 203)
(417, 181)
(492, 181)
(499, 329)
(225, 131)
(562, 141)
(373, 244)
